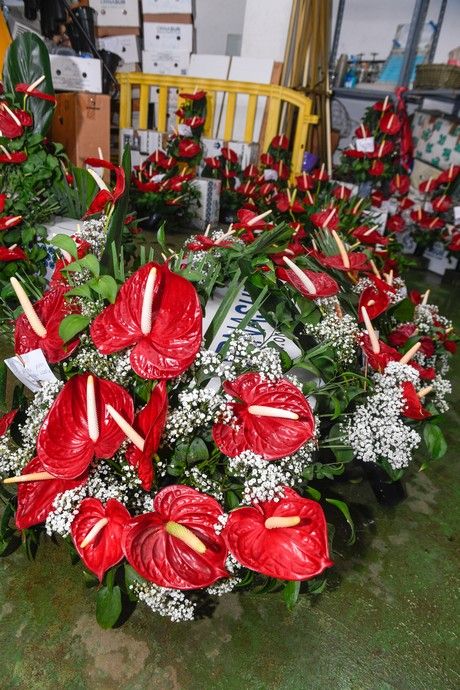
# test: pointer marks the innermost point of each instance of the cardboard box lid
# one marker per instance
(172, 18)
(103, 31)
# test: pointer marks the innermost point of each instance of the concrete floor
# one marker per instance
(386, 622)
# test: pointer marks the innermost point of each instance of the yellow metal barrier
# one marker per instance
(277, 97)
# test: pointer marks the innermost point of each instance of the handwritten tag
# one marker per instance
(365, 145)
(270, 175)
(31, 369)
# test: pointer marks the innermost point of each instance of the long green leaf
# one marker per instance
(117, 222)
(344, 509)
(26, 61)
(219, 317)
(248, 316)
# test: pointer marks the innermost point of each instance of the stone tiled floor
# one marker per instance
(386, 622)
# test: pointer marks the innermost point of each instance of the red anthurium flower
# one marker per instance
(2, 202)
(24, 117)
(286, 539)
(454, 245)
(13, 158)
(428, 185)
(247, 189)
(378, 360)
(375, 301)
(320, 174)
(356, 262)
(305, 182)
(293, 249)
(267, 188)
(148, 424)
(6, 421)
(329, 218)
(97, 531)
(196, 96)
(427, 220)
(383, 106)
(382, 285)
(395, 223)
(228, 174)
(251, 171)
(426, 373)
(449, 175)
(413, 408)
(369, 235)
(201, 243)
(188, 148)
(10, 124)
(415, 296)
(31, 333)
(390, 124)
(383, 149)
(252, 220)
(441, 204)
(176, 545)
(285, 202)
(341, 192)
(377, 168)
(158, 314)
(299, 230)
(399, 184)
(450, 346)
(400, 335)
(13, 253)
(8, 222)
(310, 284)
(105, 196)
(79, 428)
(273, 419)
(195, 122)
(29, 90)
(353, 153)
(229, 154)
(362, 132)
(213, 162)
(282, 169)
(280, 142)
(147, 186)
(35, 498)
(377, 198)
(405, 203)
(266, 159)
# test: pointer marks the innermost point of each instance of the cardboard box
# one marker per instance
(116, 12)
(103, 31)
(208, 211)
(72, 73)
(247, 153)
(165, 62)
(159, 37)
(168, 18)
(143, 142)
(81, 123)
(129, 67)
(167, 6)
(127, 47)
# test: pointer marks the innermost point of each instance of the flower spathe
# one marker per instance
(73, 433)
(285, 539)
(104, 196)
(413, 407)
(176, 544)
(103, 550)
(35, 498)
(281, 427)
(169, 343)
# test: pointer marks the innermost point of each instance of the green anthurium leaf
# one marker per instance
(71, 325)
(161, 238)
(80, 291)
(344, 509)
(434, 440)
(107, 287)
(91, 263)
(108, 606)
(117, 221)
(26, 61)
(291, 593)
(66, 243)
(197, 451)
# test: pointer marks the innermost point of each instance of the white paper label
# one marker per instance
(457, 214)
(365, 145)
(31, 369)
(158, 178)
(184, 130)
(270, 175)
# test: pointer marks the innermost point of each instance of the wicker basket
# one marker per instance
(437, 77)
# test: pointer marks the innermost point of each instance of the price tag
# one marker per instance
(31, 369)
(365, 145)
(270, 175)
(184, 130)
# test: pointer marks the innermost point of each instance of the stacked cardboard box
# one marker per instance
(168, 42)
(118, 30)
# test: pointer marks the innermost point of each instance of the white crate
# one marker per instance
(167, 6)
(165, 36)
(116, 12)
(127, 47)
(72, 73)
(166, 62)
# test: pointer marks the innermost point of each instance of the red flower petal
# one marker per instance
(6, 421)
(149, 423)
(326, 219)
(105, 551)
(64, 446)
(12, 254)
(8, 222)
(390, 124)
(165, 559)
(379, 361)
(15, 157)
(358, 262)
(413, 408)
(375, 301)
(368, 236)
(24, 88)
(35, 499)
(175, 335)
(51, 309)
(270, 437)
(299, 552)
(325, 285)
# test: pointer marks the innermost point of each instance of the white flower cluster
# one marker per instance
(221, 522)
(170, 603)
(243, 354)
(89, 307)
(218, 589)
(93, 232)
(65, 507)
(340, 332)
(376, 431)
(14, 458)
(196, 408)
(114, 367)
(441, 389)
